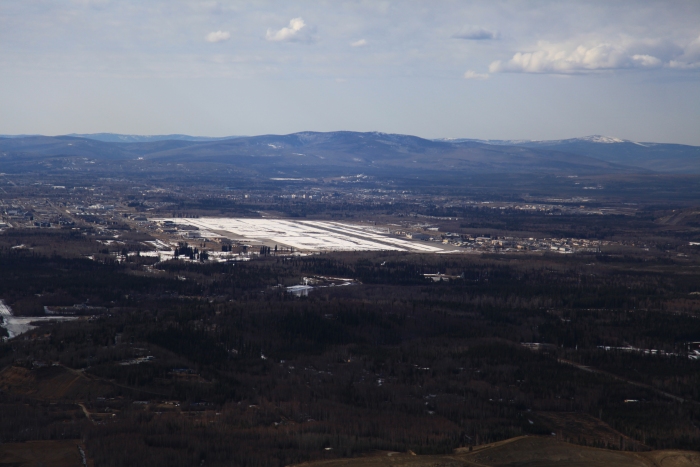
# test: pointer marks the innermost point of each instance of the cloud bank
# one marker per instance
(360, 43)
(595, 57)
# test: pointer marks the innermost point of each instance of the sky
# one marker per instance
(492, 69)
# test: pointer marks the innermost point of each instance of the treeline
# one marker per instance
(395, 362)
(317, 361)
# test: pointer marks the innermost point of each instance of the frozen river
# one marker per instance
(17, 325)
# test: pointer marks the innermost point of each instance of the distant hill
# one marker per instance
(38, 147)
(381, 152)
(346, 152)
(16, 136)
(118, 138)
(659, 157)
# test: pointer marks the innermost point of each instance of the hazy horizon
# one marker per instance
(204, 138)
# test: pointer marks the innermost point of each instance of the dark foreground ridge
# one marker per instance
(524, 451)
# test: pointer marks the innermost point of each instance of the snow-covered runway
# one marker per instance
(306, 235)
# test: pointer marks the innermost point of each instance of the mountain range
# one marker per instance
(117, 138)
(353, 152)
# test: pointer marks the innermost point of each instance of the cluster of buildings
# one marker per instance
(557, 245)
(495, 244)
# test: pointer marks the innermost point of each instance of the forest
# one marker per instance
(201, 363)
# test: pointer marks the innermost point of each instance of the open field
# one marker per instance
(525, 451)
(64, 453)
(50, 383)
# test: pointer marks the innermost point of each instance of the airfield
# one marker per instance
(308, 236)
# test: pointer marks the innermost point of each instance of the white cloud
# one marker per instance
(557, 58)
(474, 33)
(360, 43)
(291, 33)
(218, 36)
(469, 74)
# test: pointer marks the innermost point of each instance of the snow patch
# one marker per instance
(601, 139)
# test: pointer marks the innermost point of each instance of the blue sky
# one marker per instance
(475, 69)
